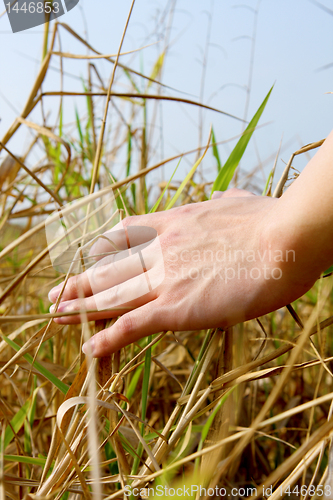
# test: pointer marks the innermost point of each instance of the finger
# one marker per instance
(232, 193)
(114, 301)
(108, 272)
(98, 279)
(121, 240)
(131, 327)
(128, 233)
(76, 286)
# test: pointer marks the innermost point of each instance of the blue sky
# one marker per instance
(293, 41)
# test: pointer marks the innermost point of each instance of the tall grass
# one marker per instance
(241, 408)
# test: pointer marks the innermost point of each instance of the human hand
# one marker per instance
(220, 262)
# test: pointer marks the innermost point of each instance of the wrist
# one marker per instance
(292, 249)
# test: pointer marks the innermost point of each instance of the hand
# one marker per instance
(221, 263)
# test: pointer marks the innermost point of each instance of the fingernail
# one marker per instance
(217, 194)
(53, 294)
(89, 347)
(92, 249)
(56, 319)
(62, 307)
(93, 252)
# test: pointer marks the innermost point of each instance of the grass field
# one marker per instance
(240, 410)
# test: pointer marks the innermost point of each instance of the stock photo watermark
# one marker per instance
(26, 14)
(228, 264)
(221, 492)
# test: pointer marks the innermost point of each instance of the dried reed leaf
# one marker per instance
(284, 177)
(73, 391)
(69, 55)
(138, 95)
(53, 329)
(8, 170)
(296, 473)
(308, 446)
(31, 101)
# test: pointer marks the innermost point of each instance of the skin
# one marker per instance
(224, 261)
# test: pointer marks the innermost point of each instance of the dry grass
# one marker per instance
(241, 408)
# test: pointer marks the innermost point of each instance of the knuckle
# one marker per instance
(103, 339)
(125, 323)
(185, 209)
(169, 238)
(128, 221)
(166, 300)
(77, 306)
(232, 191)
(72, 286)
(164, 241)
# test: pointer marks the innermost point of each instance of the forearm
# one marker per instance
(306, 212)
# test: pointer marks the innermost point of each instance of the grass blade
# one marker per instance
(16, 423)
(216, 152)
(189, 176)
(329, 270)
(46, 373)
(156, 69)
(226, 173)
(26, 460)
(210, 421)
(144, 402)
(155, 207)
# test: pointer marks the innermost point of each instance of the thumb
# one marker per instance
(132, 326)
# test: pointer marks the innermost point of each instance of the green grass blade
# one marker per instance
(127, 445)
(29, 421)
(134, 382)
(216, 151)
(89, 126)
(155, 207)
(188, 177)
(61, 124)
(129, 163)
(197, 362)
(209, 422)
(129, 151)
(207, 426)
(46, 373)
(131, 79)
(267, 183)
(57, 151)
(25, 460)
(144, 402)
(89, 107)
(136, 377)
(32, 410)
(156, 69)
(329, 270)
(16, 423)
(145, 383)
(226, 173)
(79, 129)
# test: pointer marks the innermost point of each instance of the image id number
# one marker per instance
(319, 490)
(34, 7)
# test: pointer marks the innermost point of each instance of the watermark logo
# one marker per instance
(227, 264)
(25, 14)
(89, 236)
